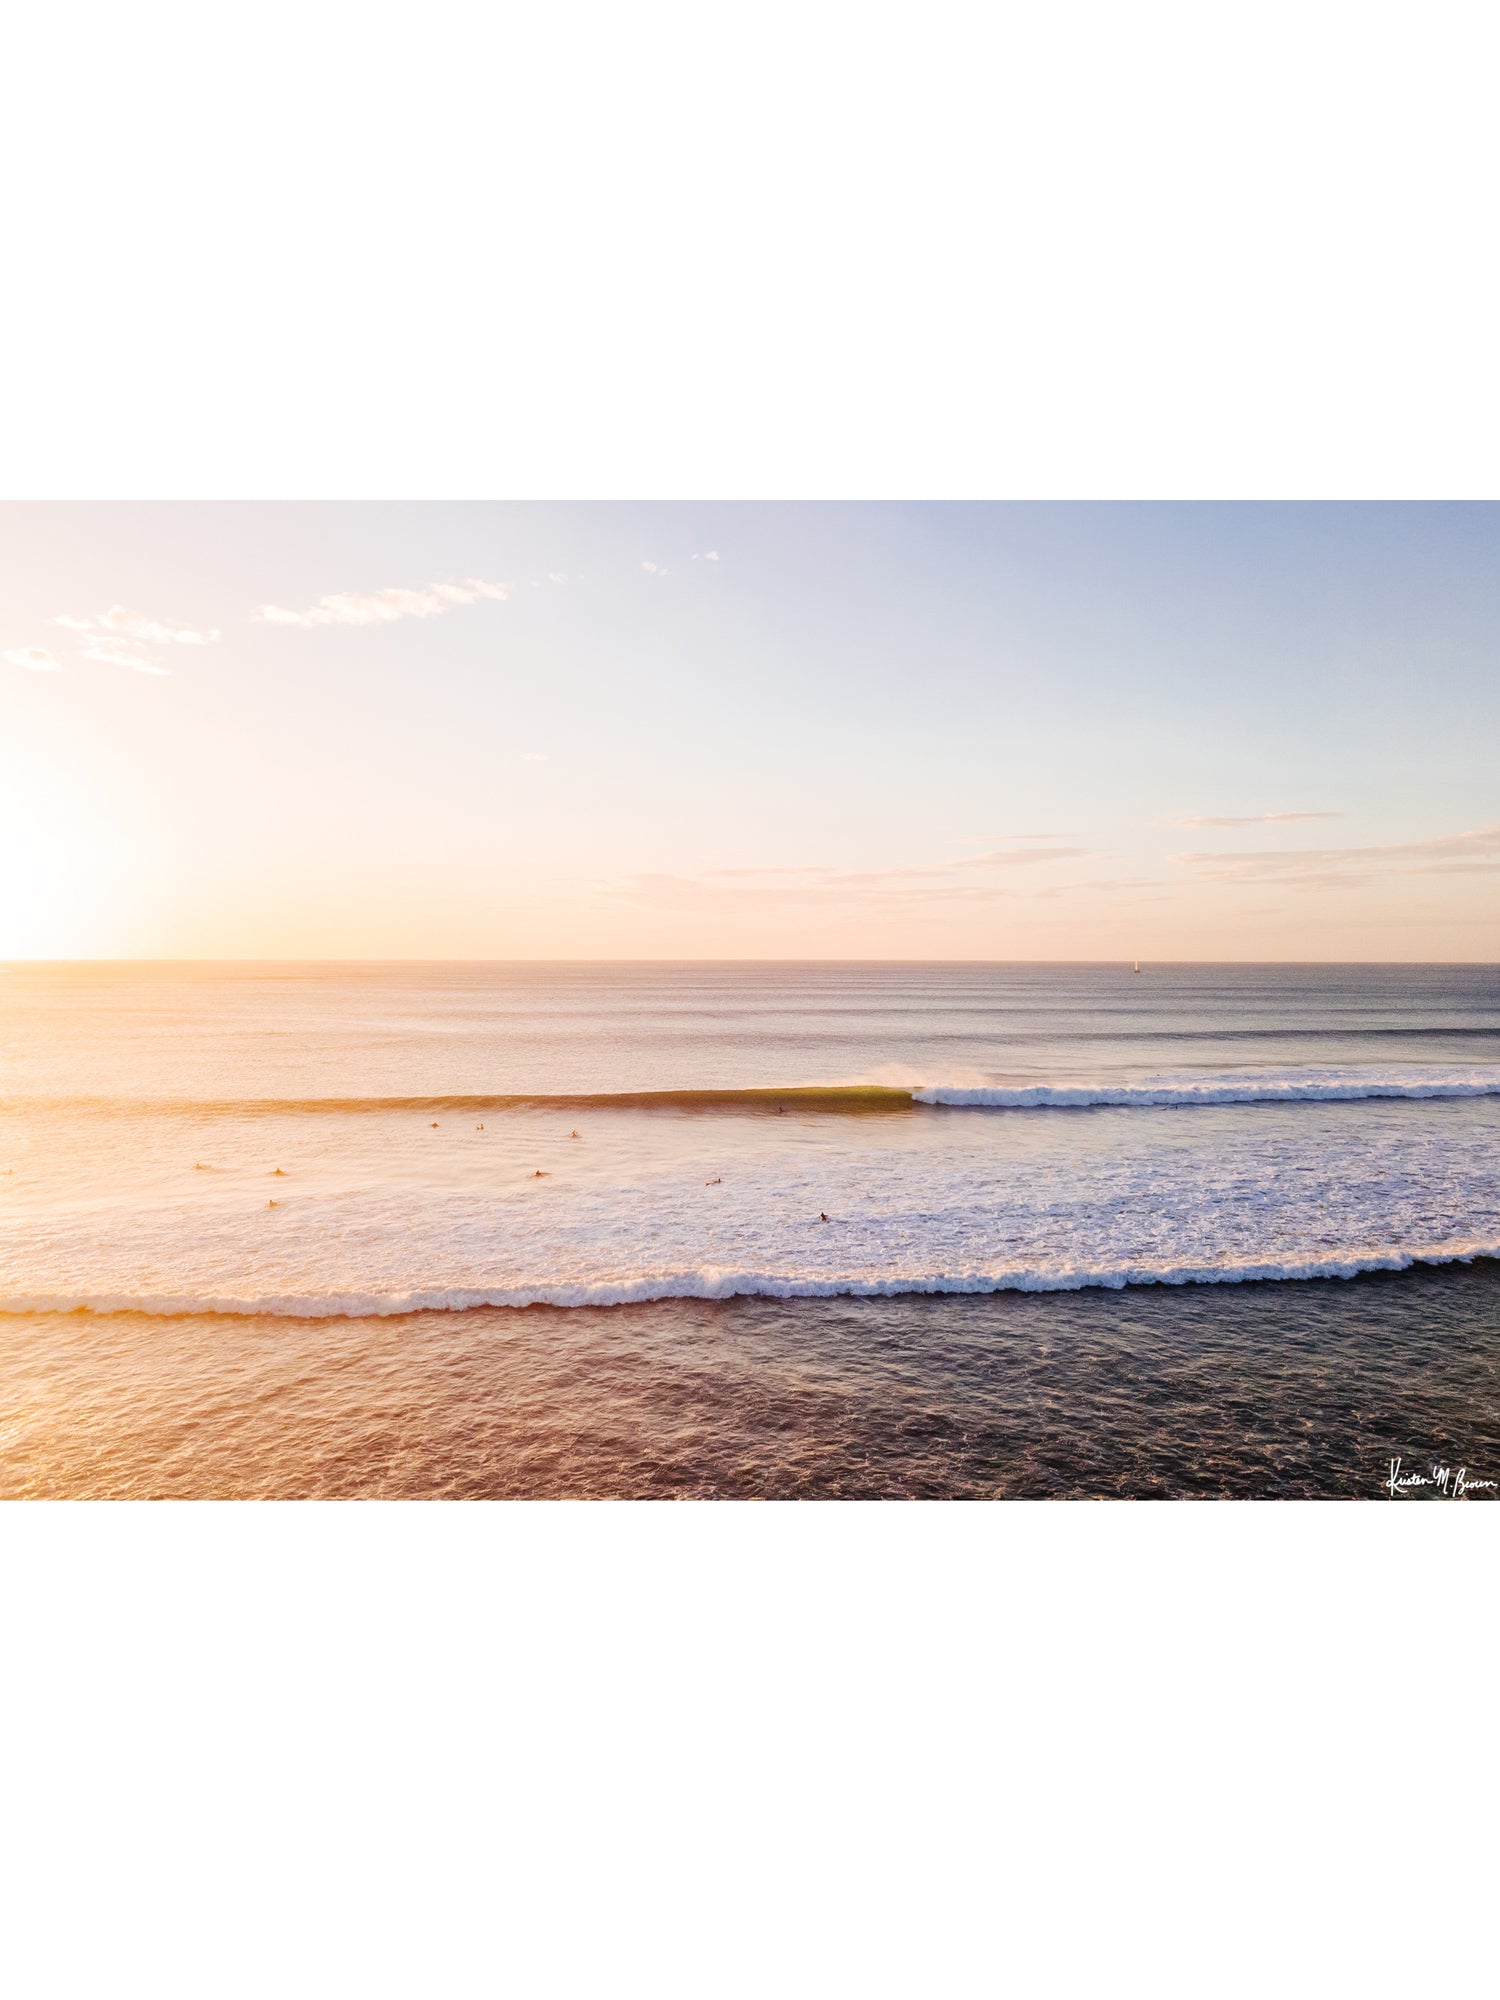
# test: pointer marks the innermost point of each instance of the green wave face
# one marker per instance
(848, 1100)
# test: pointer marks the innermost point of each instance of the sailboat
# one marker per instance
(1136, 967)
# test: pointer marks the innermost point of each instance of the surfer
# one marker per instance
(821, 1216)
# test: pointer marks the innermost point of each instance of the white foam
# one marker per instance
(744, 1284)
(390, 1215)
(1280, 1088)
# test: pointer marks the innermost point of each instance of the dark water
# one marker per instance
(1272, 1391)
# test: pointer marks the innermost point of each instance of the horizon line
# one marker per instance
(9, 964)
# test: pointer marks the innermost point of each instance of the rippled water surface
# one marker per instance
(1266, 1391)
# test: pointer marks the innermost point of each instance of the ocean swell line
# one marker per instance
(836, 1098)
(742, 1284)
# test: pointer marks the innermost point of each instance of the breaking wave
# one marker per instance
(741, 1284)
(1208, 1090)
(853, 1099)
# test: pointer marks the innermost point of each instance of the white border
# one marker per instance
(677, 1750)
(789, 250)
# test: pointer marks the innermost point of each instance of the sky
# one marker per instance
(880, 731)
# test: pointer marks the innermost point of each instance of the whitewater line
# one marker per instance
(726, 1285)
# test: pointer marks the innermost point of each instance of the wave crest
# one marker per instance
(742, 1284)
(855, 1099)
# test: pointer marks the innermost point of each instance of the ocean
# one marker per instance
(746, 1230)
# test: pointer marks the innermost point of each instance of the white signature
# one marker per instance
(1453, 1482)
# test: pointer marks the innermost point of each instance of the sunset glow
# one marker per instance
(749, 731)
